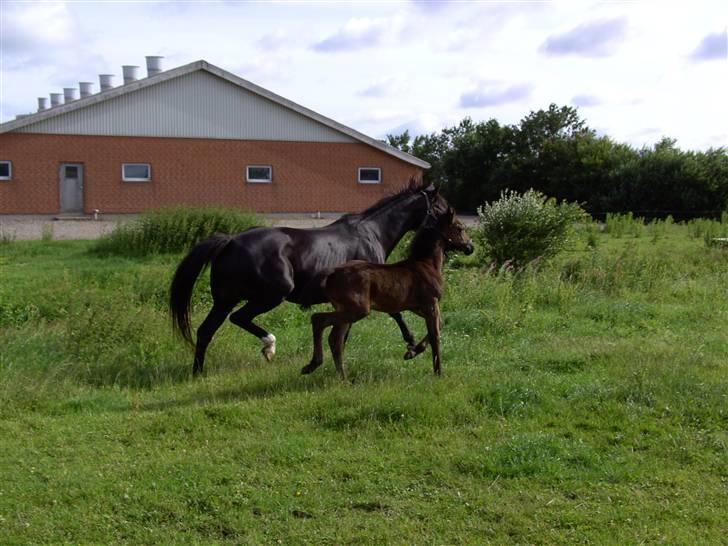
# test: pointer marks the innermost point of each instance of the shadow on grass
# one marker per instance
(255, 388)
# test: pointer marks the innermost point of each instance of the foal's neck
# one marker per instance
(434, 258)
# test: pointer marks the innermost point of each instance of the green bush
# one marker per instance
(171, 230)
(521, 228)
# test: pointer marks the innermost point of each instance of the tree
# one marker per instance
(401, 142)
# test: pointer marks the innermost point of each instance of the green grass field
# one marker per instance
(586, 402)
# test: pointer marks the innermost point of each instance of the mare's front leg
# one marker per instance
(409, 339)
(433, 332)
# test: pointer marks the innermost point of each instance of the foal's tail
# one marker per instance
(315, 290)
(180, 291)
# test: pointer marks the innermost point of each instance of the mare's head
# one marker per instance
(416, 202)
(435, 204)
(453, 233)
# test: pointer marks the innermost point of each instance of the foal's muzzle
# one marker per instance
(469, 248)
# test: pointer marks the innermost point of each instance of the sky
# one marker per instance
(637, 71)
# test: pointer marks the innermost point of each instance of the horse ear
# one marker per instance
(434, 190)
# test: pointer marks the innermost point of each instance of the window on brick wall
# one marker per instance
(136, 172)
(262, 174)
(6, 170)
(370, 175)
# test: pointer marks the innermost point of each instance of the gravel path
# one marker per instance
(28, 226)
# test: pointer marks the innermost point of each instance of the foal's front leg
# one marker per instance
(414, 350)
(409, 339)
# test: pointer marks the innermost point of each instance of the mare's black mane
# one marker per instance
(412, 188)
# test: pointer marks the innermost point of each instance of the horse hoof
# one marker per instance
(269, 347)
(310, 367)
(410, 354)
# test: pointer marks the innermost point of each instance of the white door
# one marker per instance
(71, 187)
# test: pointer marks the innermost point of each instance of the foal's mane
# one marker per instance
(425, 239)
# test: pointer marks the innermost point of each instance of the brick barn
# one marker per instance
(193, 135)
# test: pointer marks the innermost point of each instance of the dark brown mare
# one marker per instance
(414, 284)
(266, 266)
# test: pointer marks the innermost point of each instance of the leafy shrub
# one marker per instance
(171, 230)
(521, 228)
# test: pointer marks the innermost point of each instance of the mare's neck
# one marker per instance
(390, 226)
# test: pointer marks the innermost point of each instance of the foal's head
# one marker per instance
(445, 230)
(453, 233)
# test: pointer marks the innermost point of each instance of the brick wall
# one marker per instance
(307, 176)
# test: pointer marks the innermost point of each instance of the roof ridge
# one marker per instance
(202, 64)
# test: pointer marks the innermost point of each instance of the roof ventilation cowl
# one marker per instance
(105, 81)
(86, 89)
(154, 65)
(42, 103)
(69, 94)
(56, 99)
(130, 73)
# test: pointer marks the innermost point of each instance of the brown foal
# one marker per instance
(414, 284)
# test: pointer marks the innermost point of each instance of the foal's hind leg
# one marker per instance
(337, 338)
(207, 329)
(319, 322)
(244, 316)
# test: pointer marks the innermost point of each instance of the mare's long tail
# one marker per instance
(180, 291)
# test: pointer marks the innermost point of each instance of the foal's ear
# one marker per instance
(447, 218)
(434, 190)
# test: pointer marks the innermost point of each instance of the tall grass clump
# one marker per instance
(711, 231)
(624, 225)
(170, 230)
(519, 228)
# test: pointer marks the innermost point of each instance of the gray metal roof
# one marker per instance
(291, 122)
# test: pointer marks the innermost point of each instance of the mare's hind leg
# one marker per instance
(244, 316)
(207, 329)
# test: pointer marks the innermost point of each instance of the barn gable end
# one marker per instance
(193, 135)
(198, 104)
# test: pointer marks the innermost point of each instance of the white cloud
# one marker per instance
(359, 33)
(380, 66)
(30, 32)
